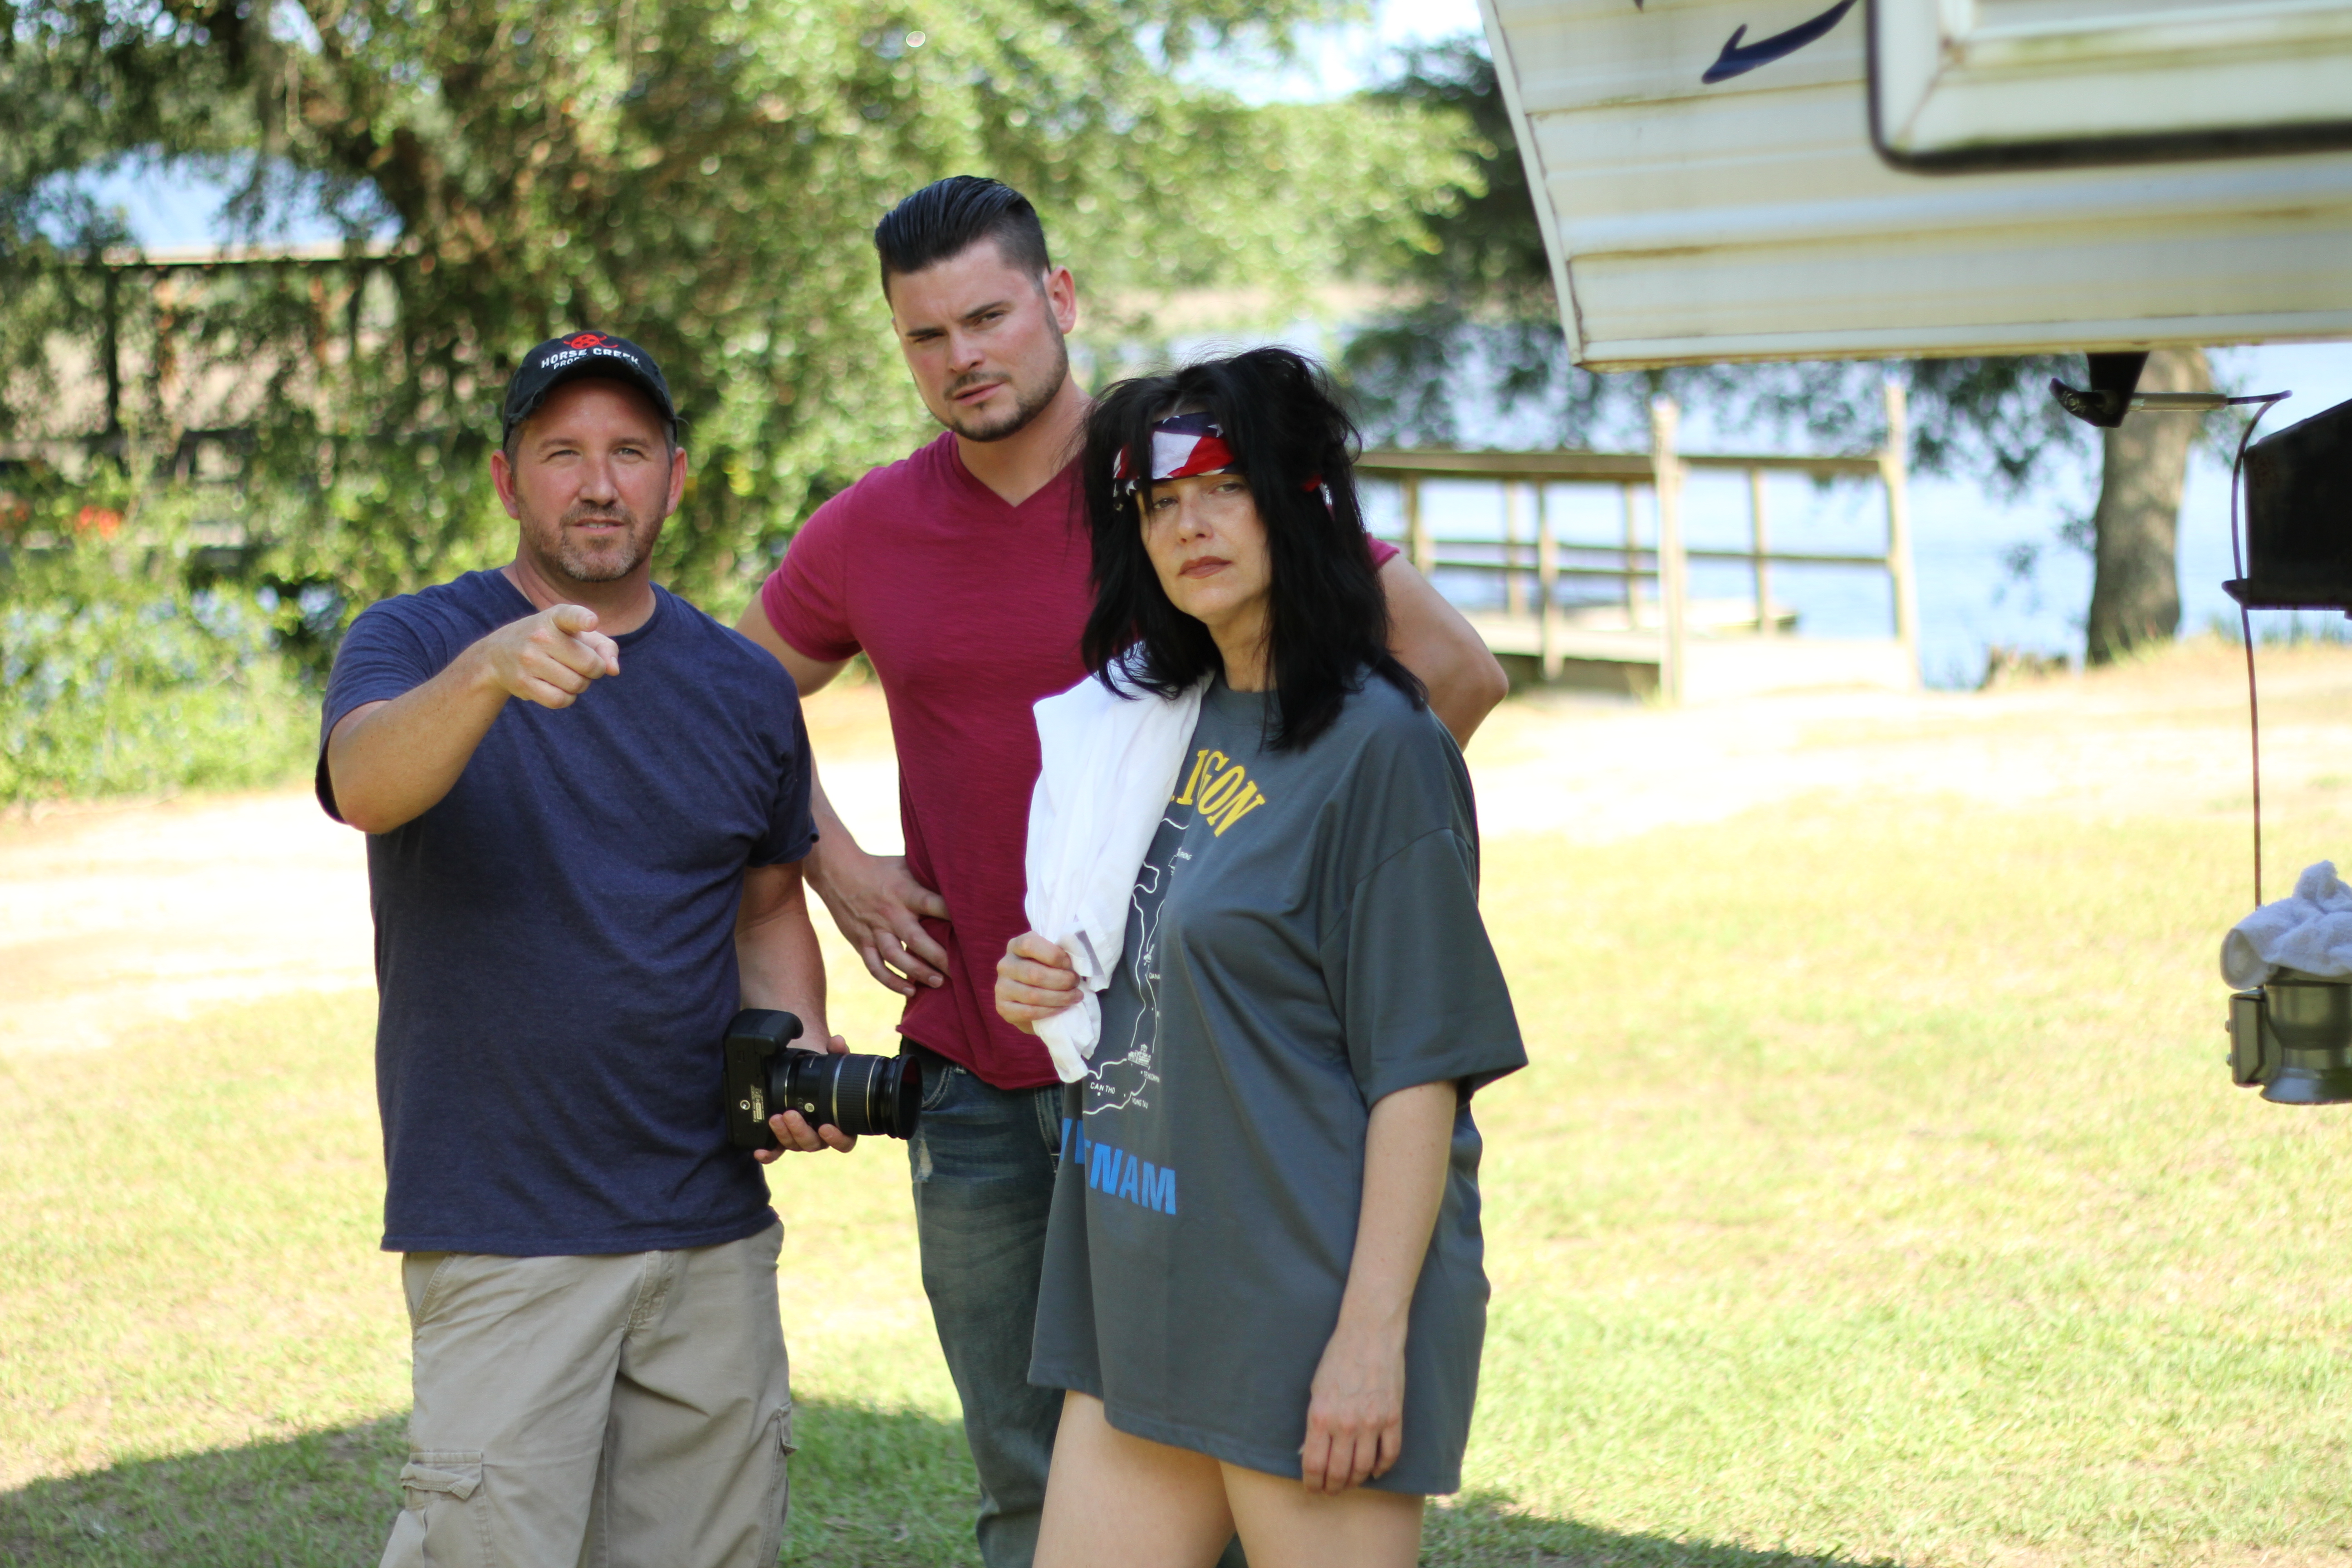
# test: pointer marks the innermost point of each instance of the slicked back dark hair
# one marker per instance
(1327, 623)
(948, 216)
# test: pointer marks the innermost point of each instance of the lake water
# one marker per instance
(1966, 547)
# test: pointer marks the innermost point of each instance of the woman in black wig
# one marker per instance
(1263, 1288)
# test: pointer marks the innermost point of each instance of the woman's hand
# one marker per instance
(1355, 1413)
(1355, 1418)
(1035, 980)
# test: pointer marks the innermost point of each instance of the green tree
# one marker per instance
(701, 175)
(1482, 338)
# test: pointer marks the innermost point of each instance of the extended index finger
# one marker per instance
(565, 651)
(604, 647)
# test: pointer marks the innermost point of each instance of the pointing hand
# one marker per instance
(549, 658)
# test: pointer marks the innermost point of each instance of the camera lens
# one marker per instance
(858, 1094)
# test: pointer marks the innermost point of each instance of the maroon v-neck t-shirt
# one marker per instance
(971, 610)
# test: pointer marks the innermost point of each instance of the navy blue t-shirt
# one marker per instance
(554, 941)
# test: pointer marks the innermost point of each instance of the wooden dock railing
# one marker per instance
(1662, 469)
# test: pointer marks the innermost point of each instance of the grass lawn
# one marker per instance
(1877, 1193)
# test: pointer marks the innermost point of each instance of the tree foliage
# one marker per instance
(701, 175)
(124, 667)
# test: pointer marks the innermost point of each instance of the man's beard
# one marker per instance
(616, 560)
(1027, 404)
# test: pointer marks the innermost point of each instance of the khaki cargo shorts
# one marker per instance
(632, 1410)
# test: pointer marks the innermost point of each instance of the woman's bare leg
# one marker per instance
(1284, 1525)
(1117, 1501)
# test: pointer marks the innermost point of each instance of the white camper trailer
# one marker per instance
(1729, 179)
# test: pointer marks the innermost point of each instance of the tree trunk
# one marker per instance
(2135, 587)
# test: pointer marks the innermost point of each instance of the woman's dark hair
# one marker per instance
(1329, 621)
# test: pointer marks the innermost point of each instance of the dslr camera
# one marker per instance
(766, 1076)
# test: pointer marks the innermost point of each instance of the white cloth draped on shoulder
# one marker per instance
(1107, 766)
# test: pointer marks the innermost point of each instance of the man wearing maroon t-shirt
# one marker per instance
(961, 572)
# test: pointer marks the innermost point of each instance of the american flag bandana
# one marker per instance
(1182, 445)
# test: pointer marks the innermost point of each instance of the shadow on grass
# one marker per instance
(1487, 1529)
(871, 1489)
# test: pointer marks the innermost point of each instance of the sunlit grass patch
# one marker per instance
(1877, 1193)
(1878, 1188)
(187, 1253)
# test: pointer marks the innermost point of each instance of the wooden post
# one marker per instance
(1632, 562)
(1761, 552)
(1514, 593)
(1664, 415)
(110, 352)
(163, 351)
(1891, 473)
(1547, 586)
(1416, 537)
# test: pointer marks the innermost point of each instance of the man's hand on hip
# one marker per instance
(878, 907)
(549, 658)
(881, 908)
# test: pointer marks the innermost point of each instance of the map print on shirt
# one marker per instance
(1117, 1082)
(1226, 796)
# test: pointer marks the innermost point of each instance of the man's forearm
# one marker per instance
(1430, 639)
(1464, 689)
(389, 763)
(836, 847)
(834, 844)
(777, 958)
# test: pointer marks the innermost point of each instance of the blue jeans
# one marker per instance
(982, 1159)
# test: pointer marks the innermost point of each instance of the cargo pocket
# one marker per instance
(780, 1487)
(445, 1519)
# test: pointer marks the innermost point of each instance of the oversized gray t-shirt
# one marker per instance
(1303, 939)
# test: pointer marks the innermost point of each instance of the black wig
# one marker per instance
(1328, 625)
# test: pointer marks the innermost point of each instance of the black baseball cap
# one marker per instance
(559, 360)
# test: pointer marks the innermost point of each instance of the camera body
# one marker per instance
(2292, 1036)
(766, 1075)
(755, 1037)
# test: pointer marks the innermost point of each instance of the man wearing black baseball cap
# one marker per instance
(599, 355)
(586, 804)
